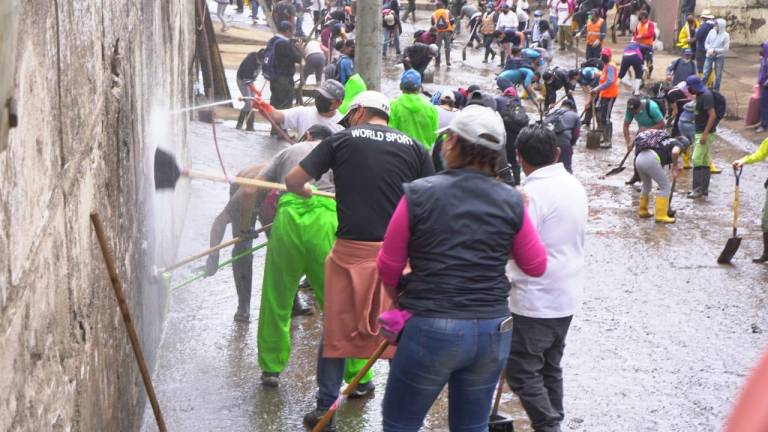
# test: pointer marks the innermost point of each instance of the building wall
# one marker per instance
(94, 81)
(746, 19)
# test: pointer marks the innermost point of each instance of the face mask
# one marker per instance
(323, 104)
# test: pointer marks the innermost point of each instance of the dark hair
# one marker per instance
(497, 33)
(285, 26)
(339, 45)
(543, 25)
(319, 132)
(633, 103)
(537, 145)
(515, 50)
(473, 154)
(642, 14)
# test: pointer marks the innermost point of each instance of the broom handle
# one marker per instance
(117, 287)
(211, 250)
(249, 182)
(737, 173)
(497, 400)
(326, 418)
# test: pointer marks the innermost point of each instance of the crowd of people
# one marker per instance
(457, 228)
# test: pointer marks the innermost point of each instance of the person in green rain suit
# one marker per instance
(412, 113)
(302, 234)
(355, 85)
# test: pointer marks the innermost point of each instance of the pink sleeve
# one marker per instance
(527, 250)
(393, 255)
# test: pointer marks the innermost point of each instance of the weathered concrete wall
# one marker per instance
(746, 18)
(94, 80)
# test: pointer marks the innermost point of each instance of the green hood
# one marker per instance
(355, 86)
(413, 115)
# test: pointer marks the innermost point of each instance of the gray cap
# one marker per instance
(479, 125)
(331, 89)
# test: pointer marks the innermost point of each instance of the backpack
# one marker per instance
(720, 106)
(268, 68)
(331, 70)
(441, 23)
(660, 102)
(417, 34)
(554, 122)
(512, 113)
(388, 18)
(652, 139)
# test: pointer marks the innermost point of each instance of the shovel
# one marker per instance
(671, 213)
(594, 135)
(167, 174)
(734, 242)
(497, 422)
(619, 168)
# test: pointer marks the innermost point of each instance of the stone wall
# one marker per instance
(746, 18)
(95, 81)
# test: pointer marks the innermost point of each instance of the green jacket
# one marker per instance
(757, 156)
(413, 115)
(355, 85)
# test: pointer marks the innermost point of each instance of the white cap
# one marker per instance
(367, 99)
(476, 120)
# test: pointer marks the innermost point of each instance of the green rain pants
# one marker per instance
(701, 156)
(302, 235)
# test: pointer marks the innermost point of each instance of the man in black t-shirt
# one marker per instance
(370, 163)
(286, 57)
(706, 126)
(246, 74)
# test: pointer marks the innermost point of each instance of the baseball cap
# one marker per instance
(331, 89)
(410, 80)
(480, 98)
(479, 125)
(447, 95)
(706, 13)
(537, 13)
(633, 103)
(367, 99)
(687, 51)
(606, 52)
(510, 91)
(695, 84)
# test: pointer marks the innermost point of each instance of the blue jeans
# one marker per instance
(254, 9)
(719, 63)
(390, 34)
(764, 106)
(553, 23)
(468, 355)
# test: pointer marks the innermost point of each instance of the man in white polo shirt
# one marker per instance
(543, 307)
(329, 97)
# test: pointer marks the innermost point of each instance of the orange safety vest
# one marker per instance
(643, 29)
(594, 30)
(446, 16)
(613, 90)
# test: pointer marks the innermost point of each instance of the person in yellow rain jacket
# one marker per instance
(760, 155)
(687, 36)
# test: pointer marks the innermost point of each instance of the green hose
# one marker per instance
(222, 265)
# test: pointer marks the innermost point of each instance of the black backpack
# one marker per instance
(512, 113)
(554, 122)
(269, 62)
(331, 70)
(721, 106)
(441, 23)
(660, 102)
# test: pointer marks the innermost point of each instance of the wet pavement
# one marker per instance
(663, 342)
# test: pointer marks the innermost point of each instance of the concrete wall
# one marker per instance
(94, 80)
(746, 18)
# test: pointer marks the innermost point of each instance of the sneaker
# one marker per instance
(760, 129)
(312, 418)
(270, 379)
(363, 390)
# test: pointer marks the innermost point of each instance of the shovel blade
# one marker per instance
(500, 423)
(615, 171)
(166, 170)
(729, 251)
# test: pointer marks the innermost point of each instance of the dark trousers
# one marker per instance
(633, 62)
(594, 52)
(533, 369)
(701, 56)
(242, 269)
(281, 87)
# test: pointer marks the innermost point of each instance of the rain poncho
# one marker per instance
(413, 115)
(355, 85)
(718, 40)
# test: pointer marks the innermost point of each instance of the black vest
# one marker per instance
(462, 225)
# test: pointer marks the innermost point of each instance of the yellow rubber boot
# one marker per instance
(643, 211)
(713, 169)
(662, 210)
(687, 158)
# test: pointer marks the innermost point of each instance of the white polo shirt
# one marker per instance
(558, 208)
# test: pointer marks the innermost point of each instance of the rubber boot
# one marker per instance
(643, 211)
(764, 257)
(635, 178)
(636, 84)
(299, 307)
(700, 185)
(662, 210)
(448, 58)
(713, 169)
(249, 123)
(687, 158)
(240, 120)
(485, 57)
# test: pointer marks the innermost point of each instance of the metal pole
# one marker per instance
(368, 43)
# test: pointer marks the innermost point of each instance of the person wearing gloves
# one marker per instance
(760, 155)
(457, 229)
(716, 44)
(412, 114)
(655, 149)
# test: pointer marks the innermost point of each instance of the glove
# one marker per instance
(249, 234)
(212, 264)
(392, 323)
(264, 106)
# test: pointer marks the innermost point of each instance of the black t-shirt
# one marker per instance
(286, 57)
(284, 12)
(370, 163)
(679, 98)
(704, 102)
(249, 67)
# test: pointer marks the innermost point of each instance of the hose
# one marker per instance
(203, 274)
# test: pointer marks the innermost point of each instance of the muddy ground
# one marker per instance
(664, 340)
